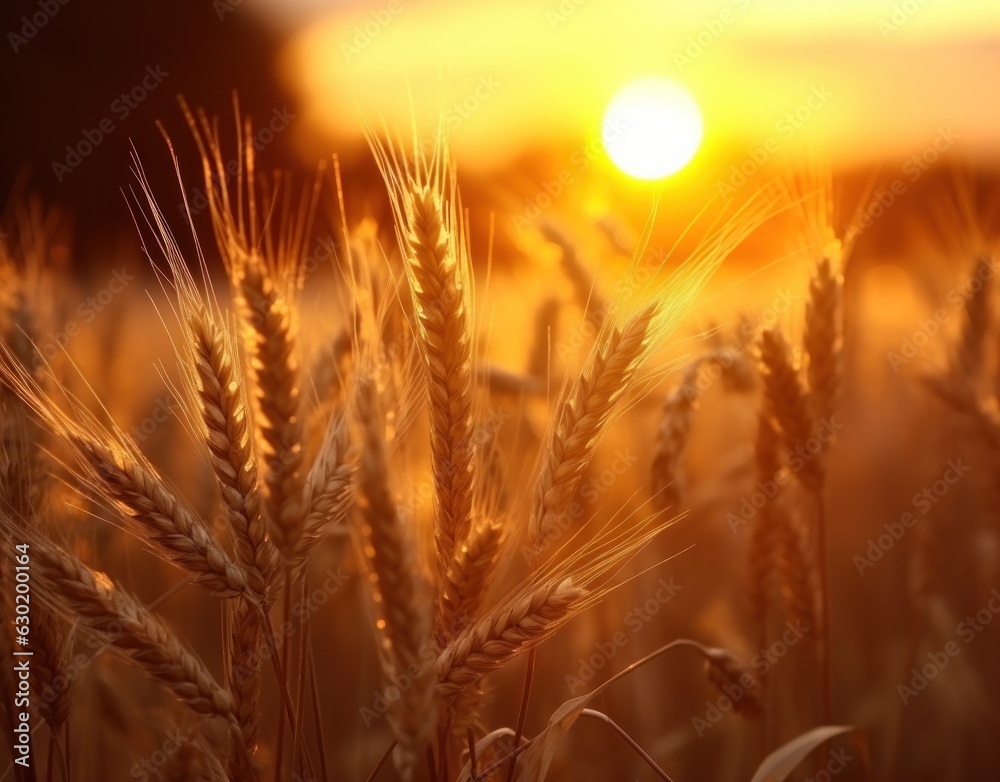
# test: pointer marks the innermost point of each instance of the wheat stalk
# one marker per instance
(763, 531)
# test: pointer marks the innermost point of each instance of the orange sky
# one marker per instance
(859, 80)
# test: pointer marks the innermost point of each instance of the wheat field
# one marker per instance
(292, 517)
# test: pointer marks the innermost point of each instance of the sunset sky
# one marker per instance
(862, 81)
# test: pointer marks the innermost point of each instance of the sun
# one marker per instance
(652, 128)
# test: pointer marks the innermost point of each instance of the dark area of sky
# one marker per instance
(82, 81)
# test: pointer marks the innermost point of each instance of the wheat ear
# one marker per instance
(441, 304)
(125, 624)
(582, 417)
(822, 340)
(675, 431)
(330, 487)
(269, 329)
(470, 572)
(219, 386)
(513, 627)
(264, 261)
(975, 326)
(139, 492)
(402, 595)
(432, 239)
(789, 404)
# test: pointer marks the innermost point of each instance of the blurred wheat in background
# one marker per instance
(619, 405)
